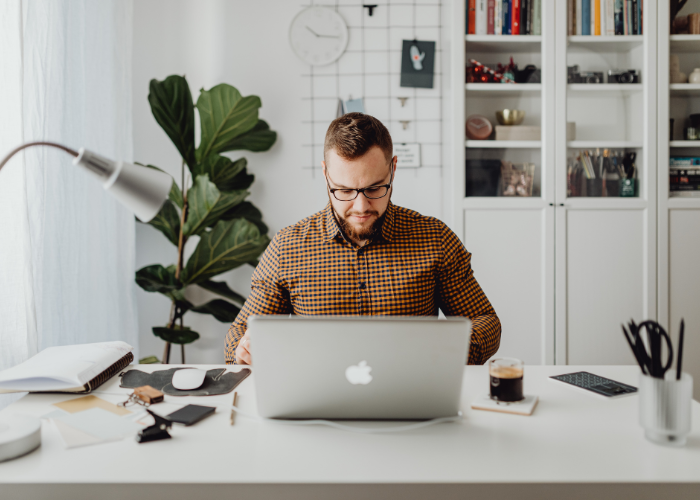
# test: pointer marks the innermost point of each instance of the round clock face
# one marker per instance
(478, 127)
(318, 35)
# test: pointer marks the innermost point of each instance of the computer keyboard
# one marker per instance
(594, 383)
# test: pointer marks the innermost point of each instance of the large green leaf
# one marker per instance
(221, 288)
(222, 171)
(206, 204)
(172, 107)
(222, 310)
(156, 278)
(167, 221)
(175, 335)
(246, 210)
(224, 115)
(259, 138)
(228, 245)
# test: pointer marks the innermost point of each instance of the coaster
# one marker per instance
(524, 407)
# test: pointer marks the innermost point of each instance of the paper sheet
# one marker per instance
(87, 402)
(100, 423)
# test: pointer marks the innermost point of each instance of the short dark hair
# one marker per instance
(353, 134)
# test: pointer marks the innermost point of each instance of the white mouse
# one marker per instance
(188, 379)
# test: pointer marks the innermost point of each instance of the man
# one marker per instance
(362, 255)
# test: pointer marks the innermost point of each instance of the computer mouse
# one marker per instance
(188, 379)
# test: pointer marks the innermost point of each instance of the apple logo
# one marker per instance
(359, 374)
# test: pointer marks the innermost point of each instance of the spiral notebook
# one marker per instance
(73, 368)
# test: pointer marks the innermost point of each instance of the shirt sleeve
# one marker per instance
(459, 294)
(268, 296)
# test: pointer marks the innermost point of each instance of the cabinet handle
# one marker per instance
(551, 204)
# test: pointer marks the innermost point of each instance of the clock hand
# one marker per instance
(321, 36)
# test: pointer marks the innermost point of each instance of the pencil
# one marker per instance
(679, 361)
(233, 412)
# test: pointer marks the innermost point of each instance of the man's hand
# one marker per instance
(243, 350)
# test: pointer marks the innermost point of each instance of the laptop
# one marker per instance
(359, 367)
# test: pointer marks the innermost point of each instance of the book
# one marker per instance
(578, 17)
(618, 13)
(641, 17)
(609, 17)
(506, 17)
(524, 14)
(72, 368)
(537, 17)
(635, 17)
(585, 17)
(480, 17)
(471, 18)
(497, 17)
(490, 6)
(592, 18)
(571, 17)
(596, 17)
(515, 17)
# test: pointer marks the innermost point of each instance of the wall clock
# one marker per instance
(318, 35)
(478, 127)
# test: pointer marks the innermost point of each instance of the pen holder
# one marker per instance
(664, 408)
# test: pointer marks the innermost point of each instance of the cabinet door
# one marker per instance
(605, 273)
(512, 256)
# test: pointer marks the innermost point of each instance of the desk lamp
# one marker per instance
(140, 189)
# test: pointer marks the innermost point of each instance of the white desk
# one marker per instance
(575, 446)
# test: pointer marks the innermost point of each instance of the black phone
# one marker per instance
(190, 414)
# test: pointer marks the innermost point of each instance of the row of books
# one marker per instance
(684, 175)
(504, 17)
(605, 17)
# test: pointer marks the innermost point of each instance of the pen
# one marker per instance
(233, 412)
(679, 361)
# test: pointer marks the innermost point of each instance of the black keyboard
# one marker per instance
(594, 383)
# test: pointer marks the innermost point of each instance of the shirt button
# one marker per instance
(362, 286)
(359, 253)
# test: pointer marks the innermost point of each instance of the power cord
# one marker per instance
(349, 428)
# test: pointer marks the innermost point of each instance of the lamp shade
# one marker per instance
(142, 190)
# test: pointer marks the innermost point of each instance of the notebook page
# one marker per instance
(63, 367)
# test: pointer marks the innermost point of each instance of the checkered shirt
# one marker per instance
(414, 266)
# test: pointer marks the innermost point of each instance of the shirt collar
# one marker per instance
(332, 229)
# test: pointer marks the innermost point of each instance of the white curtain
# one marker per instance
(66, 247)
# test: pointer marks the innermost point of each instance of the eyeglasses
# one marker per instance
(371, 192)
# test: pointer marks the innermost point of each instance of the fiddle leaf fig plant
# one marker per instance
(230, 230)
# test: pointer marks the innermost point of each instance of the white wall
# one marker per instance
(243, 43)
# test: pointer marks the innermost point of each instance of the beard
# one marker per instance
(359, 233)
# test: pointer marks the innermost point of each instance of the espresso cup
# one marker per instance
(506, 380)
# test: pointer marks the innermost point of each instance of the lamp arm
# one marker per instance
(36, 143)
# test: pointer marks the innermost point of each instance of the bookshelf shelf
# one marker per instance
(504, 144)
(685, 43)
(604, 144)
(619, 43)
(504, 88)
(684, 144)
(502, 43)
(685, 89)
(603, 88)
(503, 202)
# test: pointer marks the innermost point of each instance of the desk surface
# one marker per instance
(572, 437)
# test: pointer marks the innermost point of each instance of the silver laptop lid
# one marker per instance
(360, 367)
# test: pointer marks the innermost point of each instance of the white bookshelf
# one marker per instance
(615, 43)
(604, 144)
(679, 216)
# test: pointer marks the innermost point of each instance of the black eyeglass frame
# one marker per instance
(362, 190)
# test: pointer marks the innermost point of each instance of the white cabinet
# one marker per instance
(565, 267)
(678, 218)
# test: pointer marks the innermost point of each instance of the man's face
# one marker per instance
(359, 218)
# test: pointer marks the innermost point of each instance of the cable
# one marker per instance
(349, 428)
(36, 143)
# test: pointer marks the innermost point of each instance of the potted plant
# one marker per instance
(213, 209)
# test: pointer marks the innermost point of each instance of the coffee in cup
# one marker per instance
(506, 379)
